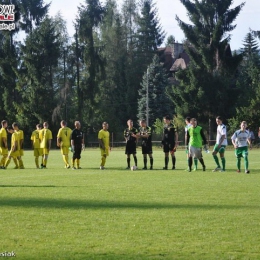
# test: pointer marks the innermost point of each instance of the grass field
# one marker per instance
(120, 214)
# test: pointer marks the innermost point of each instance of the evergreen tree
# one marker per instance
(90, 17)
(112, 96)
(207, 87)
(41, 52)
(155, 82)
(248, 102)
(32, 13)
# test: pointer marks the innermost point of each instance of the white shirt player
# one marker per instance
(241, 138)
(221, 130)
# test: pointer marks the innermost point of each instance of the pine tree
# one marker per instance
(207, 87)
(41, 52)
(155, 82)
(90, 18)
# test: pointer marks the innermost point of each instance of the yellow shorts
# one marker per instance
(45, 151)
(104, 152)
(21, 152)
(37, 152)
(3, 151)
(64, 150)
(14, 154)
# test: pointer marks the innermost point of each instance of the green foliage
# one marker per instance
(158, 126)
(158, 101)
(41, 52)
(206, 87)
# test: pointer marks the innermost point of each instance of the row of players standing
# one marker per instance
(194, 141)
(195, 138)
(169, 143)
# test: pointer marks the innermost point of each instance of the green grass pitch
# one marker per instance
(59, 213)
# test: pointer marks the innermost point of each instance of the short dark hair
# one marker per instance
(219, 118)
(167, 117)
(187, 118)
(3, 122)
(15, 124)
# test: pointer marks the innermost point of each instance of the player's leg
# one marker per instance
(215, 157)
(65, 156)
(238, 155)
(173, 159)
(166, 151)
(245, 155)
(190, 157)
(222, 157)
(200, 158)
(195, 164)
(145, 161)
(103, 159)
(135, 159)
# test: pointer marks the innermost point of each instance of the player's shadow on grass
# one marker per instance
(95, 204)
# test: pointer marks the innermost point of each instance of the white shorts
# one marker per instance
(195, 152)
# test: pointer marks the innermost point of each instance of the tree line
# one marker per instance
(111, 66)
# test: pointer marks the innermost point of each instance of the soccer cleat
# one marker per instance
(21, 167)
(16, 167)
(204, 168)
(195, 169)
(68, 166)
(173, 167)
(151, 167)
(222, 170)
(165, 168)
(216, 169)
(247, 171)
(101, 167)
(74, 168)
(145, 168)
(78, 168)
(127, 168)
(238, 170)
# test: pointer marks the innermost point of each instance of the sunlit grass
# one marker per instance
(119, 214)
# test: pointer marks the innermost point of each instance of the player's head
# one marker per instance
(63, 123)
(219, 120)
(77, 124)
(10, 129)
(166, 119)
(243, 125)
(187, 120)
(15, 126)
(130, 123)
(4, 123)
(142, 123)
(193, 122)
(105, 125)
(38, 126)
(45, 125)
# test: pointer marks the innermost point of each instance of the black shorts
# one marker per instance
(147, 148)
(77, 152)
(130, 148)
(168, 147)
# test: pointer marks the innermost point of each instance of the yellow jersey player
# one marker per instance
(46, 138)
(63, 141)
(103, 139)
(3, 144)
(20, 144)
(35, 138)
(14, 151)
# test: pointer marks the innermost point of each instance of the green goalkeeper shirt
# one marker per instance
(195, 136)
